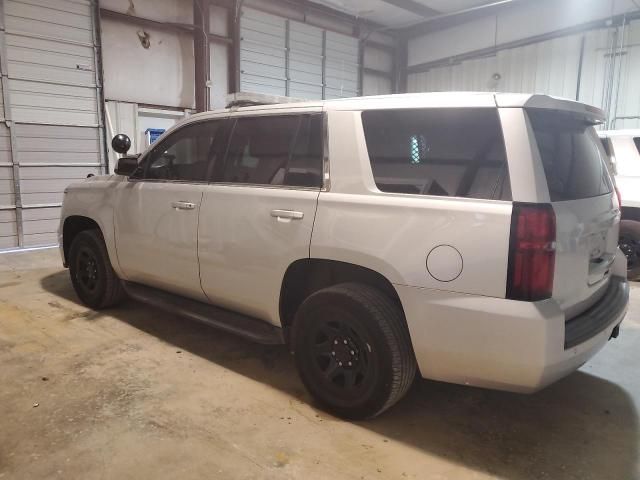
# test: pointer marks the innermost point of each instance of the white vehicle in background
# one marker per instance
(623, 149)
(471, 237)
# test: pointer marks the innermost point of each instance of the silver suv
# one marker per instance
(469, 237)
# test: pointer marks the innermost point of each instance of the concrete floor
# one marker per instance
(136, 393)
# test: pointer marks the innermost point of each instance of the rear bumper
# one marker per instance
(505, 344)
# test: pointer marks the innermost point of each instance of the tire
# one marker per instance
(630, 245)
(353, 351)
(92, 276)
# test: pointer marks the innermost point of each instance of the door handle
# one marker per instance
(183, 205)
(289, 214)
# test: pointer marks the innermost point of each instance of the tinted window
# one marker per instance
(605, 145)
(571, 154)
(184, 155)
(637, 142)
(450, 152)
(284, 150)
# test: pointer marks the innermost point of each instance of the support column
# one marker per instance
(201, 54)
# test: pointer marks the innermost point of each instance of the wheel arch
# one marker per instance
(630, 213)
(306, 276)
(73, 225)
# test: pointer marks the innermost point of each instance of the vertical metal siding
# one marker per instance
(552, 67)
(50, 56)
(382, 61)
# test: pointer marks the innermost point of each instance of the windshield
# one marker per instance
(572, 155)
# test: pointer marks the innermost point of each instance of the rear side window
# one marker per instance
(637, 142)
(276, 150)
(450, 152)
(572, 155)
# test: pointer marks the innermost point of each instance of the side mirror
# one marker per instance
(121, 143)
(126, 166)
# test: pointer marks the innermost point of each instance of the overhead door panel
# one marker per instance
(305, 61)
(53, 100)
(262, 53)
(285, 57)
(341, 71)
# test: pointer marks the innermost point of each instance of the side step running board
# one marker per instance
(247, 327)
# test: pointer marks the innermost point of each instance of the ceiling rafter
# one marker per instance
(414, 7)
(456, 18)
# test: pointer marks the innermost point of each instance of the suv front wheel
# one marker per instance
(92, 276)
(353, 350)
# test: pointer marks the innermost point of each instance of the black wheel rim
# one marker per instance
(341, 356)
(87, 273)
(630, 248)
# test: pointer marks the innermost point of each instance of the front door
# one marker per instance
(156, 216)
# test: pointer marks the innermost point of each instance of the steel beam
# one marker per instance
(414, 7)
(202, 69)
(441, 22)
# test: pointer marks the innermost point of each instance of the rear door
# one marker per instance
(257, 215)
(585, 205)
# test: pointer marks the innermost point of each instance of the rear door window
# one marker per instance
(448, 152)
(276, 150)
(572, 156)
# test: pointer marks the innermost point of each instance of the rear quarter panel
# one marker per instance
(394, 233)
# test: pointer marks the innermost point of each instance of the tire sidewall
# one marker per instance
(89, 241)
(631, 229)
(382, 362)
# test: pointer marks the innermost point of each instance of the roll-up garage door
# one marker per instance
(284, 57)
(51, 132)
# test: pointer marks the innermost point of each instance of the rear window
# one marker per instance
(450, 152)
(572, 155)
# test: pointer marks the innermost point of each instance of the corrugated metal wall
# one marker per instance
(608, 76)
(382, 63)
(285, 57)
(51, 131)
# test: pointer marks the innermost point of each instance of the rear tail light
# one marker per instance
(619, 197)
(532, 252)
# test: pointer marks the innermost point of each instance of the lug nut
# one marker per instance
(340, 364)
(352, 352)
(349, 363)
(333, 353)
(335, 342)
(345, 342)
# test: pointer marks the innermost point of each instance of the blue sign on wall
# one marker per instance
(153, 134)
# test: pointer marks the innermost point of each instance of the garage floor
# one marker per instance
(137, 393)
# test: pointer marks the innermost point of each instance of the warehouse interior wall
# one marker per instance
(572, 49)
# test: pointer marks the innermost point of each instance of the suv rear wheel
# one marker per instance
(630, 245)
(353, 350)
(92, 276)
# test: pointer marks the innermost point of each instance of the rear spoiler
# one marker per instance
(588, 112)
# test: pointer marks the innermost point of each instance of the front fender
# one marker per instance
(94, 198)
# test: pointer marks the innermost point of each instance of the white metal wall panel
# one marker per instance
(627, 89)
(608, 76)
(341, 74)
(305, 61)
(262, 53)
(377, 60)
(53, 98)
(547, 67)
